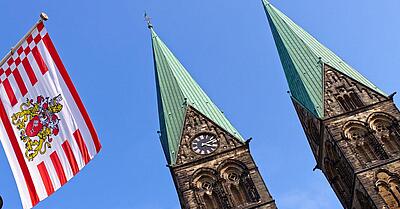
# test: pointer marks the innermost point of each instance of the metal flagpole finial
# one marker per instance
(147, 18)
(44, 16)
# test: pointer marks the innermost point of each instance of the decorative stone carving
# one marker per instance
(343, 94)
(196, 123)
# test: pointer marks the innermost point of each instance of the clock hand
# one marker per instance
(212, 141)
(206, 144)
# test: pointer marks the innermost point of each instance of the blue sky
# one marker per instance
(228, 48)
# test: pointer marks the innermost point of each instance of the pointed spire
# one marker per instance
(302, 56)
(176, 90)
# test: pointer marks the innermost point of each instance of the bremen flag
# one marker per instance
(44, 128)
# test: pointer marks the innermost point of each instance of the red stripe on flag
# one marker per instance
(53, 52)
(10, 92)
(82, 146)
(20, 82)
(20, 158)
(29, 71)
(40, 26)
(39, 60)
(71, 158)
(58, 167)
(46, 178)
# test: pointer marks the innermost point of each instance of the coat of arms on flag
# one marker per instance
(45, 130)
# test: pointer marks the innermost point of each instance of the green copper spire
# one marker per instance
(302, 57)
(176, 91)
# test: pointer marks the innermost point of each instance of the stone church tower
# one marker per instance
(351, 125)
(210, 162)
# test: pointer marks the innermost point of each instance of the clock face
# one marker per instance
(205, 144)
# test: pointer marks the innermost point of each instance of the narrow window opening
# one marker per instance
(238, 196)
(343, 104)
(356, 99)
(363, 154)
(210, 201)
(349, 102)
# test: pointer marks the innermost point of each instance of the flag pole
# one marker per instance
(43, 17)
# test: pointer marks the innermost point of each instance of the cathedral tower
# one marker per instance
(210, 162)
(351, 125)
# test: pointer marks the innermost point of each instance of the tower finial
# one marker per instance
(148, 20)
(43, 16)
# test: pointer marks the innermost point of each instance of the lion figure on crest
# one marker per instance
(38, 122)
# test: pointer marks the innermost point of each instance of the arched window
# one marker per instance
(366, 145)
(350, 101)
(387, 129)
(343, 103)
(208, 191)
(366, 152)
(387, 184)
(356, 100)
(238, 183)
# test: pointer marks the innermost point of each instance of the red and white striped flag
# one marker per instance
(45, 130)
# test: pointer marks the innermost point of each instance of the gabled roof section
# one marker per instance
(176, 90)
(302, 57)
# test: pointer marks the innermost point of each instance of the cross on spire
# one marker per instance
(148, 20)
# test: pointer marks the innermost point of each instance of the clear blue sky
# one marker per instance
(228, 48)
